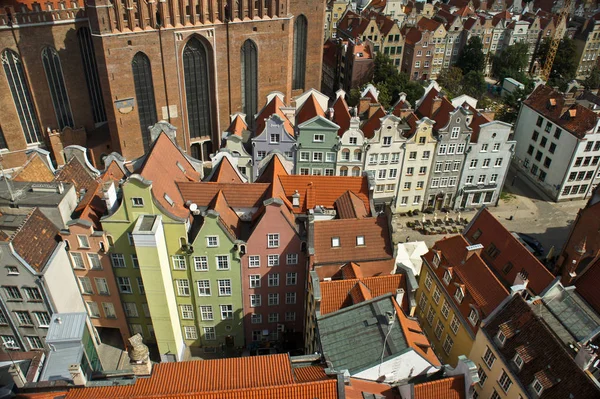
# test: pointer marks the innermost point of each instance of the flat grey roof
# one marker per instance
(66, 327)
(32, 193)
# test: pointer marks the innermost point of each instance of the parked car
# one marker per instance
(537, 246)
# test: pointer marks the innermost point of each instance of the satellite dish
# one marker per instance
(193, 207)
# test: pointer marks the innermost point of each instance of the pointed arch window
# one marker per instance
(144, 93)
(249, 80)
(197, 89)
(15, 74)
(90, 69)
(299, 67)
(58, 90)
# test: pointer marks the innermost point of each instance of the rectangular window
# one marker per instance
(274, 138)
(439, 329)
(254, 261)
(35, 342)
(226, 312)
(124, 285)
(291, 278)
(137, 201)
(140, 284)
(318, 138)
(273, 240)
(94, 260)
(102, 286)
(430, 316)
(317, 157)
(179, 262)
(304, 156)
(77, 260)
(130, 309)
(24, 318)
(206, 312)
(442, 149)
(254, 280)
(255, 301)
(109, 310)
(261, 154)
(387, 141)
(455, 132)
(43, 318)
(256, 318)
(290, 316)
(273, 299)
(448, 343)
(292, 259)
(412, 155)
(93, 310)
(395, 157)
(330, 157)
(117, 260)
(290, 298)
(201, 263)
(203, 287)
(134, 262)
(224, 287)
(183, 287)
(454, 324)
(422, 170)
(504, 381)
(445, 310)
(436, 295)
(13, 293)
(32, 294)
(489, 358)
(222, 262)
(212, 241)
(482, 376)
(273, 260)
(192, 333)
(273, 279)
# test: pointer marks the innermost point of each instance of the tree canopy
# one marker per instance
(472, 57)
(391, 83)
(564, 67)
(512, 62)
(593, 80)
(451, 79)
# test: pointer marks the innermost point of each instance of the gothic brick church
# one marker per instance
(97, 73)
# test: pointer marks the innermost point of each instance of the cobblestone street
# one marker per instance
(548, 222)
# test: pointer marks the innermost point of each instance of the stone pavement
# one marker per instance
(548, 222)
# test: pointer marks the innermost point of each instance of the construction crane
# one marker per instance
(558, 35)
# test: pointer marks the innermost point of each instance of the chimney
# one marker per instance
(296, 199)
(17, 375)
(585, 357)
(399, 296)
(110, 196)
(473, 249)
(77, 375)
(139, 356)
(435, 105)
(330, 113)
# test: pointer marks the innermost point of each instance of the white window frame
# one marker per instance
(201, 263)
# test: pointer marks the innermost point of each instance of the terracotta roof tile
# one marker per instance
(272, 170)
(35, 169)
(446, 388)
(355, 389)
(415, 338)
(441, 115)
(36, 239)
(350, 206)
(323, 190)
(163, 167)
(309, 110)
(227, 215)
(583, 122)
(412, 36)
(511, 250)
(552, 364)
(225, 173)
(377, 240)
(351, 270)
(237, 126)
(203, 377)
(238, 195)
(373, 123)
(478, 120)
(370, 269)
(337, 294)
(341, 115)
(74, 172)
(273, 107)
(428, 24)
(310, 373)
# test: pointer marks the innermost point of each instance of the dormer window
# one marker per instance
(459, 295)
(436, 260)
(137, 201)
(473, 317)
(335, 242)
(518, 361)
(447, 277)
(537, 386)
(501, 337)
(360, 240)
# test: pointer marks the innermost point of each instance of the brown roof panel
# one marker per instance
(341, 115)
(446, 388)
(225, 173)
(237, 126)
(350, 206)
(310, 373)
(237, 194)
(36, 239)
(309, 110)
(35, 169)
(273, 107)
(373, 123)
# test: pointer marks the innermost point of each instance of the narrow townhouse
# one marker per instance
(350, 156)
(236, 140)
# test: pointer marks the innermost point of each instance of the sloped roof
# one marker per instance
(74, 172)
(273, 169)
(351, 270)
(428, 24)
(36, 239)
(225, 173)
(310, 108)
(583, 121)
(353, 24)
(441, 115)
(367, 268)
(350, 206)
(323, 190)
(273, 107)
(35, 169)
(237, 126)
(445, 388)
(238, 195)
(510, 250)
(478, 120)
(587, 285)
(310, 373)
(335, 294)
(228, 216)
(165, 166)
(551, 364)
(341, 115)
(373, 123)
(377, 240)
(412, 36)
(357, 388)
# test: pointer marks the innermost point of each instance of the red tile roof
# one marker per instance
(310, 373)
(368, 269)
(309, 109)
(238, 195)
(583, 122)
(478, 120)
(227, 215)
(272, 170)
(225, 173)
(323, 190)
(237, 126)
(355, 389)
(511, 250)
(441, 115)
(273, 107)
(415, 338)
(351, 270)
(336, 295)
(373, 123)
(587, 285)
(350, 206)
(74, 172)
(428, 24)
(446, 388)
(36, 239)
(341, 115)
(412, 36)
(376, 234)
(161, 168)
(35, 169)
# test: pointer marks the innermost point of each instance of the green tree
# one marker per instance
(512, 103)
(386, 76)
(511, 62)
(593, 80)
(472, 57)
(474, 84)
(354, 97)
(384, 68)
(451, 80)
(564, 67)
(413, 91)
(384, 98)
